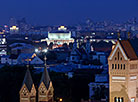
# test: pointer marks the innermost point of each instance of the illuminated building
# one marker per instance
(3, 44)
(59, 37)
(123, 73)
(14, 30)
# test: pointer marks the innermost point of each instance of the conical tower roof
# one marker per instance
(28, 80)
(45, 76)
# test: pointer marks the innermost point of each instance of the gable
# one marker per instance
(42, 88)
(37, 60)
(118, 47)
(24, 90)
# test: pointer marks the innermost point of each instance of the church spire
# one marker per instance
(28, 90)
(45, 90)
(28, 80)
(45, 76)
(88, 46)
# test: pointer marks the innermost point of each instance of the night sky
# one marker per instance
(53, 12)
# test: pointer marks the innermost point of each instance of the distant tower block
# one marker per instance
(129, 35)
(28, 91)
(123, 73)
(118, 34)
(45, 90)
(88, 46)
(3, 44)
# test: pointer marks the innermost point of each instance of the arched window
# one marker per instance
(118, 99)
(121, 66)
(115, 66)
(122, 99)
(115, 99)
(124, 66)
(112, 66)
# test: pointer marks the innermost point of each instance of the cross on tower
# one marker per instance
(45, 60)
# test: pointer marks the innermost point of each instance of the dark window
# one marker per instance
(124, 66)
(121, 66)
(112, 66)
(115, 58)
(122, 99)
(118, 66)
(118, 99)
(73, 58)
(115, 99)
(121, 58)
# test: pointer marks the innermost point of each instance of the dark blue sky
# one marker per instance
(67, 11)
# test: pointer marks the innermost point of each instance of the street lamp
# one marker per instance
(60, 100)
(36, 50)
(45, 50)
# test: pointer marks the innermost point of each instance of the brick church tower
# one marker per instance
(28, 91)
(45, 89)
(123, 73)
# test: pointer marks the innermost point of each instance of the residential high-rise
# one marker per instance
(3, 44)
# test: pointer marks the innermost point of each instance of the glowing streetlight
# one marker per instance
(45, 50)
(60, 100)
(36, 50)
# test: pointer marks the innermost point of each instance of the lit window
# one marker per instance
(132, 99)
(115, 66)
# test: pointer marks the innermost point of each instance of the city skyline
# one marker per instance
(53, 12)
